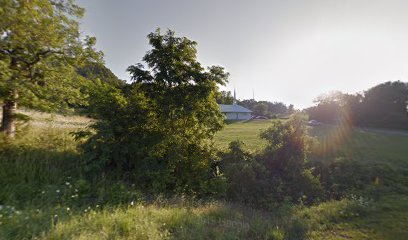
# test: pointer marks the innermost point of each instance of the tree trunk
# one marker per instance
(8, 123)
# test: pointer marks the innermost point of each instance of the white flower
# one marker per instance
(57, 191)
(68, 209)
(132, 203)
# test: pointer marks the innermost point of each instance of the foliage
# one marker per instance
(266, 108)
(285, 158)
(156, 132)
(275, 175)
(243, 175)
(40, 47)
(224, 97)
(343, 177)
(384, 105)
(95, 70)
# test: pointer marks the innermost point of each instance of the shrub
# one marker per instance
(242, 174)
(278, 174)
(284, 159)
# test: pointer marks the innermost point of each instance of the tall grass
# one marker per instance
(36, 158)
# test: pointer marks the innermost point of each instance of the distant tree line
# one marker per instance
(384, 105)
(259, 108)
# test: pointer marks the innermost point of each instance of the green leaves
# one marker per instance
(40, 47)
(156, 131)
(178, 87)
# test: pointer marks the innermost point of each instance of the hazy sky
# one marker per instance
(286, 50)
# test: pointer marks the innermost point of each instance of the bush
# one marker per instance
(344, 176)
(278, 174)
(242, 174)
(284, 159)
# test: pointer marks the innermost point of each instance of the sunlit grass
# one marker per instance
(207, 221)
(246, 131)
(364, 146)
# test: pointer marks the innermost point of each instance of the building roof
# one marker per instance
(233, 108)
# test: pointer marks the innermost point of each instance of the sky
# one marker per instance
(282, 50)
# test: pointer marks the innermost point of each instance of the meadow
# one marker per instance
(44, 195)
(246, 131)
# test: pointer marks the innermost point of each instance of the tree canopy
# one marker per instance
(40, 47)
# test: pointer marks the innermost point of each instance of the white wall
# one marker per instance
(237, 116)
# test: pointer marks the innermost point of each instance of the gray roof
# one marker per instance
(233, 108)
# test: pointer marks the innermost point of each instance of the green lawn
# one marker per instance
(333, 141)
(246, 131)
(364, 146)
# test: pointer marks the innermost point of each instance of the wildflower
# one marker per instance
(67, 183)
(57, 191)
(132, 203)
(68, 209)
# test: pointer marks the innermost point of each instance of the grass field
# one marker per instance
(40, 194)
(333, 141)
(246, 131)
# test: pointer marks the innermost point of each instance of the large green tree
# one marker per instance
(181, 91)
(40, 48)
(156, 132)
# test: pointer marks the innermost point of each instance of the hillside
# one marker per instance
(99, 71)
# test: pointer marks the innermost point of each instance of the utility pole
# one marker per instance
(235, 98)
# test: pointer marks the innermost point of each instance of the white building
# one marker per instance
(235, 112)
